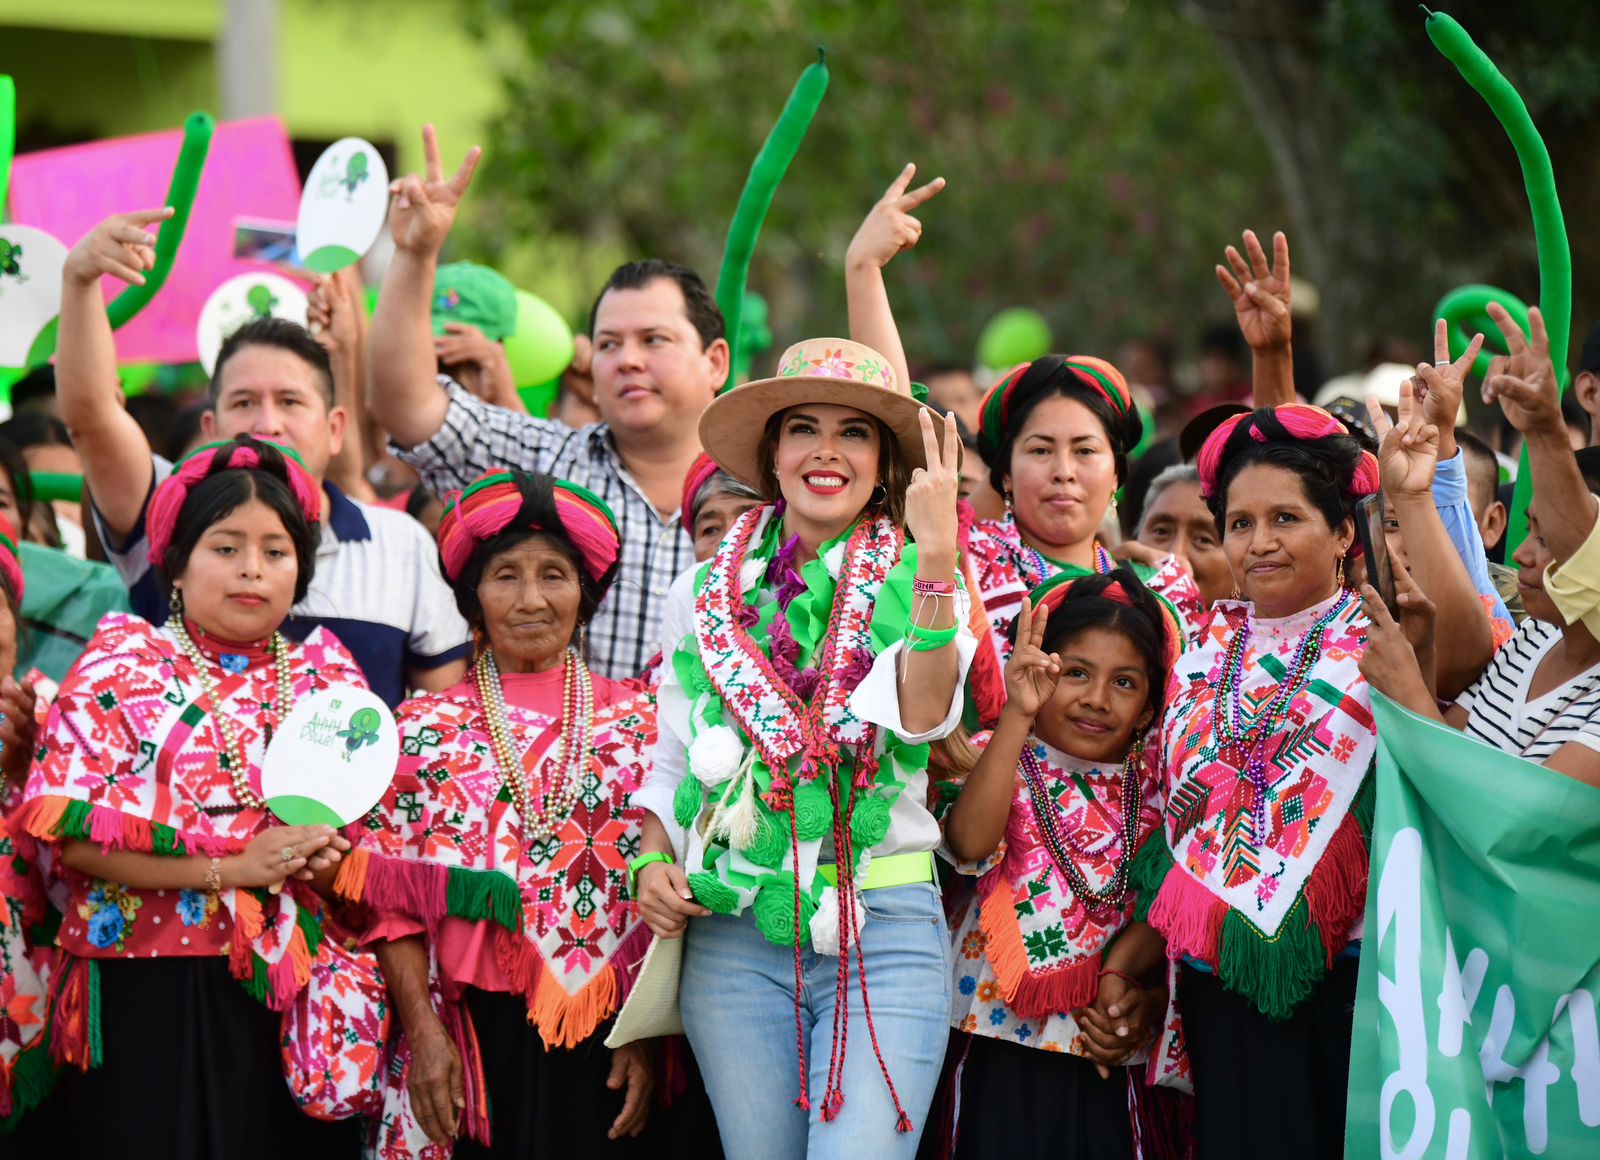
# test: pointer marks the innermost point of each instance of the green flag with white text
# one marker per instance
(1475, 1026)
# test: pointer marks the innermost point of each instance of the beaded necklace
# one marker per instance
(558, 793)
(1233, 730)
(232, 758)
(1045, 568)
(1064, 848)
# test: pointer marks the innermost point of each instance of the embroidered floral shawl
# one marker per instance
(446, 841)
(130, 758)
(1268, 912)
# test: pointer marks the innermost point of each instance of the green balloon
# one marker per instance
(539, 399)
(1465, 310)
(1018, 334)
(541, 346)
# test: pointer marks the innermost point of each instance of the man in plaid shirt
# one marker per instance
(659, 358)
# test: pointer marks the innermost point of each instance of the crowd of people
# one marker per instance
(868, 705)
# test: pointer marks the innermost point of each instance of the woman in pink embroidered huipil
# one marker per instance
(148, 780)
(1257, 880)
(495, 868)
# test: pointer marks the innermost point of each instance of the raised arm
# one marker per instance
(339, 323)
(1407, 458)
(1261, 300)
(1529, 393)
(402, 391)
(115, 453)
(928, 681)
(888, 229)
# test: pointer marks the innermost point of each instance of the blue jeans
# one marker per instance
(737, 995)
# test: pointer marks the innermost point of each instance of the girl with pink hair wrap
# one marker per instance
(494, 868)
(193, 926)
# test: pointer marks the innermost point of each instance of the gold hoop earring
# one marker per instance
(175, 601)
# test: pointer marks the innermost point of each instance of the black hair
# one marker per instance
(1223, 339)
(284, 335)
(1326, 467)
(417, 502)
(1162, 454)
(1142, 620)
(226, 489)
(538, 516)
(16, 470)
(1479, 461)
(1574, 416)
(35, 429)
(1046, 378)
(34, 390)
(698, 303)
(186, 428)
(1589, 467)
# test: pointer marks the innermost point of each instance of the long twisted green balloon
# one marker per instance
(1549, 227)
(8, 135)
(197, 131)
(765, 173)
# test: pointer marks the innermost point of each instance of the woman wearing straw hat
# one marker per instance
(811, 662)
(496, 865)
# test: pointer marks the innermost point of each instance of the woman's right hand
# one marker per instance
(1031, 674)
(119, 246)
(262, 864)
(665, 899)
(434, 1082)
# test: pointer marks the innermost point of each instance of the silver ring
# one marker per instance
(1444, 362)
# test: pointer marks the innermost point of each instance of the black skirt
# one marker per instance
(1017, 1101)
(191, 1069)
(549, 1103)
(1263, 1087)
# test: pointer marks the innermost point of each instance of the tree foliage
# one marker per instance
(1097, 154)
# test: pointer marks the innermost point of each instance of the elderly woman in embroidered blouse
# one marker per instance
(1540, 696)
(496, 865)
(1257, 880)
(814, 658)
(148, 778)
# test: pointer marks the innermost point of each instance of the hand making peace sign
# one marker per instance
(889, 227)
(1031, 674)
(1527, 388)
(931, 498)
(424, 209)
(1439, 387)
(1408, 451)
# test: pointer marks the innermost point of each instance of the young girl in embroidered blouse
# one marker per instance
(1047, 821)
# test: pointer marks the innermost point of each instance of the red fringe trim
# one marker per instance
(1189, 917)
(112, 829)
(398, 885)
(1031, 994)
(1336, 891)
(475, 1116)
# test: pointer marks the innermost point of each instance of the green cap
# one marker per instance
(477, 296)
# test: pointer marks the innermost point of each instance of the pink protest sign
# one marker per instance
(249, 173)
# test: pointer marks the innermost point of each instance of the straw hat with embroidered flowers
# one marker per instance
(818, 370)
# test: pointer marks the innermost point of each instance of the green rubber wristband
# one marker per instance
(639, 864)
(929, 639)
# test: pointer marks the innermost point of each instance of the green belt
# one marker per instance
(895, 870)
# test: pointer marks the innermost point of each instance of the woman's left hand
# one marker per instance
(1408, 451)
(631, 1066)
(931, 498)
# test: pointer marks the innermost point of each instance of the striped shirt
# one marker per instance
(1500, 713)
(376, 587)
(477, 437)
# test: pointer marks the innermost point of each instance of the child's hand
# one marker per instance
(1119, 1021)
(1031, 674)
